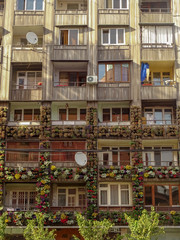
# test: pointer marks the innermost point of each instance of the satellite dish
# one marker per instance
(32, 37)
(81, 159)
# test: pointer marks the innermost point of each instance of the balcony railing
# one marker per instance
(72, 123)
(157, 45)
(24, 87)
(158, 122)
(156, 10)
(70, 83)
(71, 17)
(161, 163)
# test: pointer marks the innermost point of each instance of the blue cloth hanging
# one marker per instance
(144, 67)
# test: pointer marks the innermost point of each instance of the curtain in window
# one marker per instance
(148, 34)
(124, 194)
(114, 194)
(73, 37)
(103, 196)
(161, 34)
(166, 158)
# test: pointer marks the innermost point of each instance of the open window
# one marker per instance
(69, 37)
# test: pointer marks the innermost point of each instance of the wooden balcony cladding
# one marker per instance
(158, 92)
(70, 18)
(69, 93)
(114, 53)
(156, 17)
(26, 94)
(29, 18)
(155, 52)
(113, 17)
(27, 54)
(1, 18)
(78, 52)
(1, 54)
(114, 91)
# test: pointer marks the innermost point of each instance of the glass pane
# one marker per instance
(82, 79)
(61, 200)
(124, 156)
(64, 79)
(72, 191)
(72, 114)
(168, 116)
(72, 6)
(105, 159)
(71, 201)
(105, 36)
(166, 157)
(158, 116)
(109, 72)
(117, 72)
(148, 195)
(102, 72)
(62, 114)
(116, 3)
(106, 115)
(120, 36)
(125, 72)
(114, 157)
(124, 197)
(147, 157)
(125, 114)
(112, 36)
(73, 37)
(149, 116)
(30, 5)
(72, 79)
(64, 37)
(114, 194)
(83, 114)
(175, 195)
(31, 79)
(36, 114)
(20, 4)
(39, 4)
(27, 114)
(18, 115)
(103, 196)
(108, 4)
(156, 78)
(157, 158)
(116, 117)
(124, 3)
(161, 195)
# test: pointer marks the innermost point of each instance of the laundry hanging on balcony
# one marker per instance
(144, 71)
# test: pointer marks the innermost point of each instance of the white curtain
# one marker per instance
(114, 194)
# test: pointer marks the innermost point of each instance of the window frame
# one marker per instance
(170, 194)
(111, 114)
(68, 36)
(67, 114)
(119, 194)
(120, 4)
(25, 86)
(22, 117)
(76, 84)
(34, 6)
(106, 44)
(78, 192)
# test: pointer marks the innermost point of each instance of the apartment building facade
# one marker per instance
(99, 77)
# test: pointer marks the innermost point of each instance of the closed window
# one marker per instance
(116, 114)
(113, 36)
(114, 194)
(114, 72)
(162, 195)
(117, 4)
(27, 115)
(28, 80)
(72, 114)
(73, 79)
(158, 116)
(23, 200)
(69, 37)
(30, 5)
(71, 197)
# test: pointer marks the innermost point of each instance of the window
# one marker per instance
(114, 72)
(71, 197)
(23, 200)
(117, 4)
(73, 79)
(162, 195)
(154, 6)
(161, 35)
(22, 156)
(158, 158)
(27, 115)
(72, 114)
(72, 6)
(158, 116)
(30, 5)
(114, 194)
(69, 37)
(116, 114)
(28, 80)
(66, 156)
(115, 158)
(113, 36)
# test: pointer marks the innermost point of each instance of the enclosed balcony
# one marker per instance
(1, 13)
(156, 12)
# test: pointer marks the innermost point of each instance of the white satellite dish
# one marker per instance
(81, 159)
(32, 37)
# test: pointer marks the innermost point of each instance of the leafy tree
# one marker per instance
(35, 229)
(94, 230)
(3, 223)
(145, 227)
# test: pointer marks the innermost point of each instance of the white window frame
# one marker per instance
(34, 6)
(119, 5)
(119, 193)
(78, 192)
(68, 36)
(116, 36)
(67, 114)
(152, 122)
(22, 109)
(17, 198)
(25, 79)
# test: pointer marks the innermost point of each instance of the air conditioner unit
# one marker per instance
(91, 79)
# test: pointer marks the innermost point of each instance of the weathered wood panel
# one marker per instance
(156, 17)
(113, 17)
(114, 92)
(158, 92)
(69, 18)
(70, 53)
(26, 95)
(1, 18)
(113, 52)
(158, 54)
(27, 54)
(29, 18)
(69, 93)
(0, 54)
